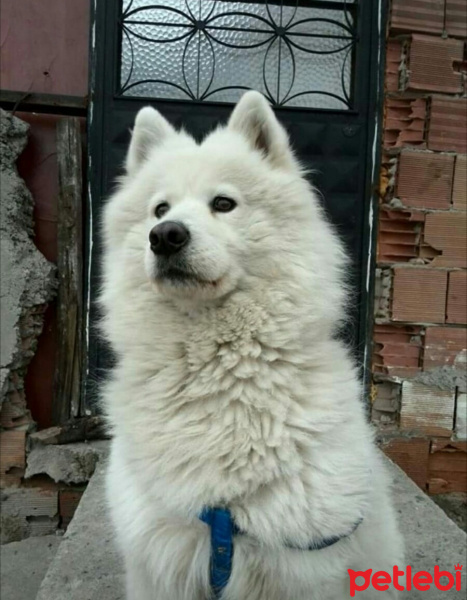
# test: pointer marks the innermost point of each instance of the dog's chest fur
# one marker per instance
(217, 424)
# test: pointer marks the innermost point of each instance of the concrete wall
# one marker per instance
(28, 284)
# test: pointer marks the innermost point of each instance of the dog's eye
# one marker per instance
(223, 204)
(161, 210)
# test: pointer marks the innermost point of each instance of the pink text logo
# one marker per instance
(422, 580)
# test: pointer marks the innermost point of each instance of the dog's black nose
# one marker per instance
(168, 238)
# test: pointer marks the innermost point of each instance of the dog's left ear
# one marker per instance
(254, 119)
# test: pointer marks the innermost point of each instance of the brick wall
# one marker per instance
(420, 336)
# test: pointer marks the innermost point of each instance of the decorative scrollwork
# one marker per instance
(297, 54)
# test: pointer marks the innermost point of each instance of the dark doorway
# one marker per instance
(316, 61)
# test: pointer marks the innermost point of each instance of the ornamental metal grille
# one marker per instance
(298, 54)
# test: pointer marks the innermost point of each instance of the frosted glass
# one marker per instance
(213, 50)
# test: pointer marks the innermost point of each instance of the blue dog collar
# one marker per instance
(223, 529)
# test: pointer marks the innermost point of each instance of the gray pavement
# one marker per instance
(24, 564)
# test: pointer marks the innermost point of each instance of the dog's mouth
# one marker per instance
(183, 277)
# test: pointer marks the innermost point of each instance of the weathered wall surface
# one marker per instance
(38, 166)
(44, 50)
(45, 46)
(27, 284)
(32, 503)
(420, 337)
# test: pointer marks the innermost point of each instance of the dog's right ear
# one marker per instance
(150, 130)
(255, 120)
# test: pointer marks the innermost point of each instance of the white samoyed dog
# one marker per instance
(223, 289)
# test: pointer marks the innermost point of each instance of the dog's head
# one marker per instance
(207, 219)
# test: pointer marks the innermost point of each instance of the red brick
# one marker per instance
(418, 15)
(447, 234)
(427, 409)
(412, 457)
(386, 175)
(425, 180)
(432, 64)
(12, 457)
(397, 350)
(447, 446)
(444, 346)
(456, 18)
(12, 450)
(419, 295)
(405, 122)
(448, 124)
(457, 298)
(14, 411)
(11, 416)
(399, 232)
(68, 501)
(447, 467)
(393, 62)
(459, 189)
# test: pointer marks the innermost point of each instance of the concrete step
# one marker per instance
(23, 566)
(87, 565)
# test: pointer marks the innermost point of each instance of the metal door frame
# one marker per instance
(104, 75)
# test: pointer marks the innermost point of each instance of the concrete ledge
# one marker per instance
(70, 463)
(87, 565)
(431, 537)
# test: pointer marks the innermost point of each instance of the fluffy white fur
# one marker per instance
(232, 390)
